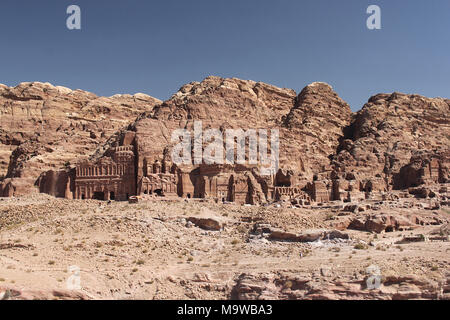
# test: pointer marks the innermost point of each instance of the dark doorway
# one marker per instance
(112, 195)
(83, 196)
(98, 195)
(159, 192)
(189, 195)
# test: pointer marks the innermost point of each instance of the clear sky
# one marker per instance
(155, 47)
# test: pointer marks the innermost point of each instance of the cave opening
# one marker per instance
(98, 195)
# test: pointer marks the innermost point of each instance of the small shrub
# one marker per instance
(140, 262)
(360, 246)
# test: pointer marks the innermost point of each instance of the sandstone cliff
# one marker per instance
(393, 129)
(45, 127)
(314, 127)
(394, 141)
(348, 154)
(310, 125)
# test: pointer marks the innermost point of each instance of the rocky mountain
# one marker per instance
(391, 131)
(218, 103)
(45, 127)
(313, 128)
(394, 138)
(310, 124)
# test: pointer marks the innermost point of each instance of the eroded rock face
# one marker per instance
(276, 234)
(7, 293)
(422, 169)
(315, 124)
(327, 153)
(384, 222)
(391, 131)
(284, 285)
(309, 125)
(219, 103)
(45, 127)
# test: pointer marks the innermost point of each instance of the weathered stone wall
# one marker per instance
(326, 152)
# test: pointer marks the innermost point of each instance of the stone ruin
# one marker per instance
(107, 179)
(395, 142)
(124, 172)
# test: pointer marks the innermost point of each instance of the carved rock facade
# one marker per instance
(327, 153)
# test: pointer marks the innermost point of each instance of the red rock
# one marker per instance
(326, 152)
(43, 127)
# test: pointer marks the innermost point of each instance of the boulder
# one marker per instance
(207, 223)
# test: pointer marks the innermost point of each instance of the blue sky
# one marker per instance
(157, 46)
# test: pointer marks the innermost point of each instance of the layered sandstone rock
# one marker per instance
(314, 126)
(327, 153)
(46, 127)
(218, 103)
(425, 168)
(286, 285)
(390, 132)
(310, 127)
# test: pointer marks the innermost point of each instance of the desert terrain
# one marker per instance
(92, 205)
(192, 249)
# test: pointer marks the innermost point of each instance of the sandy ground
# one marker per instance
(148, 250)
